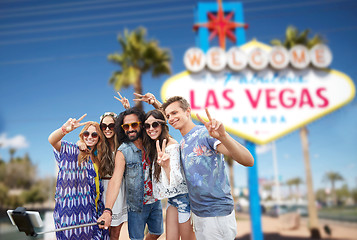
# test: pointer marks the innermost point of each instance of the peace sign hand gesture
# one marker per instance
(148, 98)
(73, 123)
(123, 101)
(215, 128)
(163, 158)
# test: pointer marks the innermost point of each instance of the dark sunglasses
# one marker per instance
(104, 126)
(153, 125)
(94, 134)
(133, 125)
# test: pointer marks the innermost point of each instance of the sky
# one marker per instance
(53, 66)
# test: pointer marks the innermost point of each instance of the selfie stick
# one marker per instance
(73, 227)
(24, 222)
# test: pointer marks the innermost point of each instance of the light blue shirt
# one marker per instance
(207, 181)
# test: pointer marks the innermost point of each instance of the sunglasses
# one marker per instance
(94, 134)
(153, 125)
(104, 126)
(133, 125)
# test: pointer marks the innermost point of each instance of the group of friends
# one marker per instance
(121, 169)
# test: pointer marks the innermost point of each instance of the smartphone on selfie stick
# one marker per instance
(27, 221)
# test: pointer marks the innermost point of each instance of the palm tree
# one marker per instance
(269, 188)
(290, 183)
(333, 177)
(138, 56)
(12, 152)
(292, 38)
(295, 182)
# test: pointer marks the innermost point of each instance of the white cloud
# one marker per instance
(18, 142)
(261, 149)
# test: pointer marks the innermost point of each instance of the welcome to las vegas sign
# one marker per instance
(262, 105)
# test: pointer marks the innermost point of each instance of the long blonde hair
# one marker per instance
(99, 147)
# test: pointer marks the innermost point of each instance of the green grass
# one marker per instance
(339, 213)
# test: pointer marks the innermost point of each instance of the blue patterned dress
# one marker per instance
(75, 196)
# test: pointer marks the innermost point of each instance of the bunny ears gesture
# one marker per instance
(163, 158)
(73, 123)
(148, 98)
(123, 101)
(215, 128)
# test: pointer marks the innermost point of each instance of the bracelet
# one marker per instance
(108, 210)
(64, 130)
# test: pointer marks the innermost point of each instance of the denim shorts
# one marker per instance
(150, 215)
(182, 203)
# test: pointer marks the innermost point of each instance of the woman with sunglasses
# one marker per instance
(119, 210)
(79, 189)
(167, 175)
(106, 168)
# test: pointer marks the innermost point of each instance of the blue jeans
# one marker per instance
(150, 215)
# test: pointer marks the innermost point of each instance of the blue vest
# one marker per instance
(134, 176)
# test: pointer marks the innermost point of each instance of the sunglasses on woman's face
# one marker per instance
(104, 126)
(153, 125)
(94, 134)
(133, 125)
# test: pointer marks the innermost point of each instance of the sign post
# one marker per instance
(259, 92)
(254, 199)
(203, 43)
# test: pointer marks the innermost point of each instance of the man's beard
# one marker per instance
(133, 138)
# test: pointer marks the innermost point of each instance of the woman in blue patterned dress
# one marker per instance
(79, 188)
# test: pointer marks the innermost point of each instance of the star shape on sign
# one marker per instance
(221, 25)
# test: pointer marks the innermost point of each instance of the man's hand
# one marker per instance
(215, 128)
(123, 101)
(148, 98)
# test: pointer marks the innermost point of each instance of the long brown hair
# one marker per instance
(150, 144)
(107, 163)
(99, 147)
